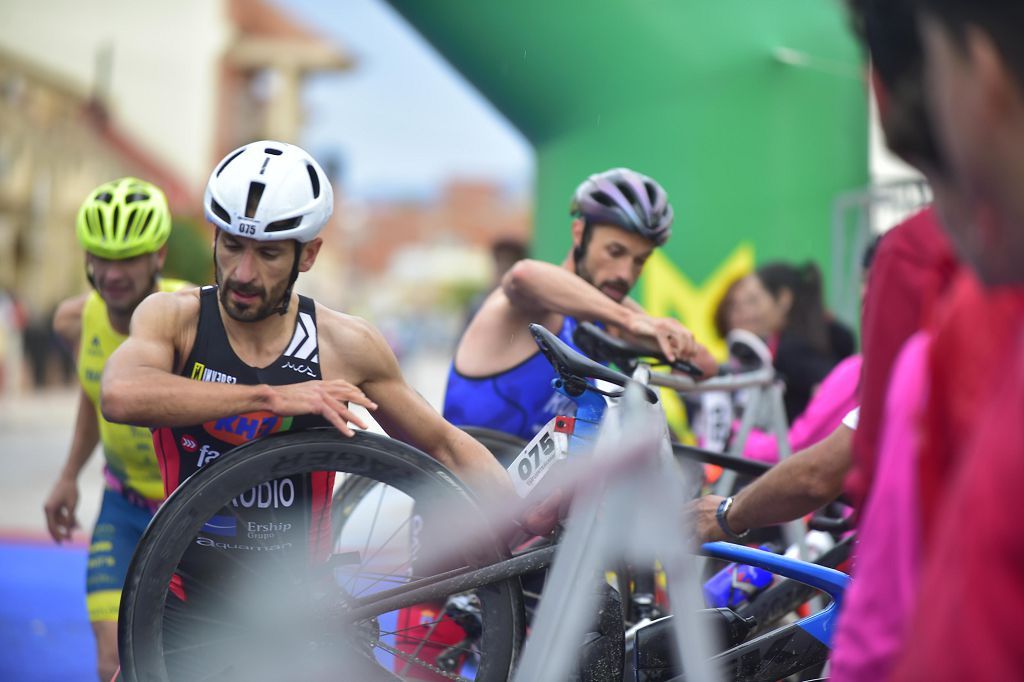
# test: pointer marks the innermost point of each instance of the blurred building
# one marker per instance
(414, 266)
(467, 213)
(93, 91)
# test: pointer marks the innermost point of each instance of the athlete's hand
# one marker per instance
(541, 518)
(673, 339)
(60, 509)
(701, 514)
(329, 399)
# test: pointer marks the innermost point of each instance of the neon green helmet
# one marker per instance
(124, 218)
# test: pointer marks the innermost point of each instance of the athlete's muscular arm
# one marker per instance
(403, 413)
(796, 486)
(63, 498)
(140, 387)
(535, 288)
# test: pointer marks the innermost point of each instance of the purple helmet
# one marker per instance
(626, 199)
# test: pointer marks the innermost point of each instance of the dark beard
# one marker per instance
(584, 274)
(266, 307)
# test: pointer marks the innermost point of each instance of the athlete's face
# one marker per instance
(613, 260)
(122, 284)
(253, 275)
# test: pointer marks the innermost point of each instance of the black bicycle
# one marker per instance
(298, 612)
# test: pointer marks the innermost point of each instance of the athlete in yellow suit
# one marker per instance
(123, 227)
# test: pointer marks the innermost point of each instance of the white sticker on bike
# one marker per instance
(533, 463)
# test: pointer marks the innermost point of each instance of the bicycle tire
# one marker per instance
(366, 455)
(502, 445)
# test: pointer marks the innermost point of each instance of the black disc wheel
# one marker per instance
(235, 580)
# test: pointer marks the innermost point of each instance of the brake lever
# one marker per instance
(688, 367)
(684, 366)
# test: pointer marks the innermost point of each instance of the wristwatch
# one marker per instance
(723, 509)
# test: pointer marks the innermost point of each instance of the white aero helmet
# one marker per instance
(269, 191)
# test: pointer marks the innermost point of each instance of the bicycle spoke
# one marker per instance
(424, 664)
(419, 647)
(373, 524)
(367, 561)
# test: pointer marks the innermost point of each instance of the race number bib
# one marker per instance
(716, 408)
(536, 459)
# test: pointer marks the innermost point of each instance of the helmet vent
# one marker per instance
(253, 202)
(136, 196)
(219, 211)
(105, 197)
(271, 150)
(652, 194)
(603, 199)
(117, 214)
(281, 225)
(95, 221)
(229, 160)
(130, 224)
(627, 191)
(314, 180)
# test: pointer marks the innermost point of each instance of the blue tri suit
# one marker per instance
(518, 401)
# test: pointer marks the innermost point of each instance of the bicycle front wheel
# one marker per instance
(269, 605)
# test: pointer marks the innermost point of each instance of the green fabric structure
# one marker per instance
(752, 114)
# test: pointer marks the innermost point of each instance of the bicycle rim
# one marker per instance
(289, 618)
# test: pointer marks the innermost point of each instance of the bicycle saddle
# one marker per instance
(574, 369)
(597, 343)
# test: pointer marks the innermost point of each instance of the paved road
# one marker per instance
(35, 432)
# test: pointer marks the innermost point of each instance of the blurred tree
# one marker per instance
(190, 252)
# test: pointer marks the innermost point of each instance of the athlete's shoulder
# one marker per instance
(67, 319)
(352, 345)
(170, 309)
(344, 329)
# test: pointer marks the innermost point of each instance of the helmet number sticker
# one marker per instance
(246, 228)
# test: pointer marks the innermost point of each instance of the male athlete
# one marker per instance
(498, 378)
(123, 226)
(213, 368)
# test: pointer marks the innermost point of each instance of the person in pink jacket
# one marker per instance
(835, 397)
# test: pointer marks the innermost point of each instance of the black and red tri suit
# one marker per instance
(284, 515)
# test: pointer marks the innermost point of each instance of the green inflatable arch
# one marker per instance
(751, 113)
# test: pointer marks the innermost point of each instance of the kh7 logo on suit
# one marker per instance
(201, 372)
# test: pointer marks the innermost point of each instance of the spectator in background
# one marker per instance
(834, 399)
(783, 304)
(725, 313)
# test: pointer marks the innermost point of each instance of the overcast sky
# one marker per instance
(402, 122)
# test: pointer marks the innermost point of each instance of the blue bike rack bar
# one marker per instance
(835, 583)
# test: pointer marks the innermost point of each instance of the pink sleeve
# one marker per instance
(886, 569)
(833, 400)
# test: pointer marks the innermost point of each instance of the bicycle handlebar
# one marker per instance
(600, 345)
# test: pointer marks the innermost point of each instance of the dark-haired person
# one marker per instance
(966, 625)
(211, 368)
(915, 268)
(782, 303)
